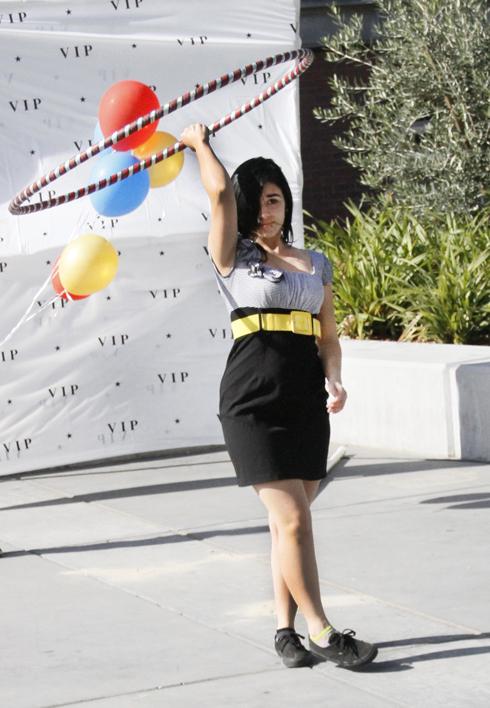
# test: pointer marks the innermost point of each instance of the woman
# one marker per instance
(273, 403)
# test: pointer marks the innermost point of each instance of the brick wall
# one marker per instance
(328, 180)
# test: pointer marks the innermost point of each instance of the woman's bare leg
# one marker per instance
(286, 607)
(289, 506)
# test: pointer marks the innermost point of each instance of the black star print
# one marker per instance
(68, 12)
(45, 233)
(57, 349)
(260, 127)
(159, 218)
(168, 336)
(134, 46)
(177, 420)
(117, 383)
(33, 152)
(17, 58)
(108, 297)
(119, 253)
(248, 34)
(9, 402)
(48, 262)
(162, 253)
(82, 99)
(69, 435)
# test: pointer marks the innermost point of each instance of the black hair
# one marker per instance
(248, 181)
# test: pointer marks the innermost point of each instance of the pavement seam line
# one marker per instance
(162, 687)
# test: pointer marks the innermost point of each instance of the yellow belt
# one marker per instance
(296, 321)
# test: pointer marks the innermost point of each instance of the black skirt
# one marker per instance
(272, 406)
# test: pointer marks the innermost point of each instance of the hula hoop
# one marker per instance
(305, 58)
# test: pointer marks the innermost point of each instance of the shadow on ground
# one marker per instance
(136, 543)
(479, 500)
(166, 488)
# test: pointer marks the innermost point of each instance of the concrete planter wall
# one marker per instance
(426, 400)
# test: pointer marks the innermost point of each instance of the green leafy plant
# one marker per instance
(398, 278)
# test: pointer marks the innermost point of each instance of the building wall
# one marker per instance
(328, 180)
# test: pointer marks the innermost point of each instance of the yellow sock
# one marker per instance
(323, 635)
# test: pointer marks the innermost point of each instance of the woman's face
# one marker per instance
(272, 211)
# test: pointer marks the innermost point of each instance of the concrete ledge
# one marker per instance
(429, 400)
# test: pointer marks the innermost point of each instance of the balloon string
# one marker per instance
(50, 302)
(25, 317)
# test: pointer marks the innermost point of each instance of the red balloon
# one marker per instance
(123, 103)
(58, 287)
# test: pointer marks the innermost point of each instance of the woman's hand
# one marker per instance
(195, 135)
(337, 397)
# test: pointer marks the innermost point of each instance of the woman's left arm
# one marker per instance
(330, 353)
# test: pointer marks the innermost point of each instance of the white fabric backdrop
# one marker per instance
(135, 367)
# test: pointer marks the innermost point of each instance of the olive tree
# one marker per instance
(418, 116)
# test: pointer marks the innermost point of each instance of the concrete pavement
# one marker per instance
(148, 584)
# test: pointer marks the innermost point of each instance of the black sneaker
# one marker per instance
(344, 650)
(290, 649)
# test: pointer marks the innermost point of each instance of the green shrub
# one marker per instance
(396, 278)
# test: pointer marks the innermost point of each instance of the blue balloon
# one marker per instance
(122, 197)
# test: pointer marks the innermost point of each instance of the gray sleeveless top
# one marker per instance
(252, 283)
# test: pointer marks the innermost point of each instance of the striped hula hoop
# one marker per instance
(304, 60)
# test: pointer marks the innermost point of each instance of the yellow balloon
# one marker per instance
(87, 264)
(166, 171)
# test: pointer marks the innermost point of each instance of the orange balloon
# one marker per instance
(167, 170)
(123, 103)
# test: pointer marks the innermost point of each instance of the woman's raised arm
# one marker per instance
(222, 237)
